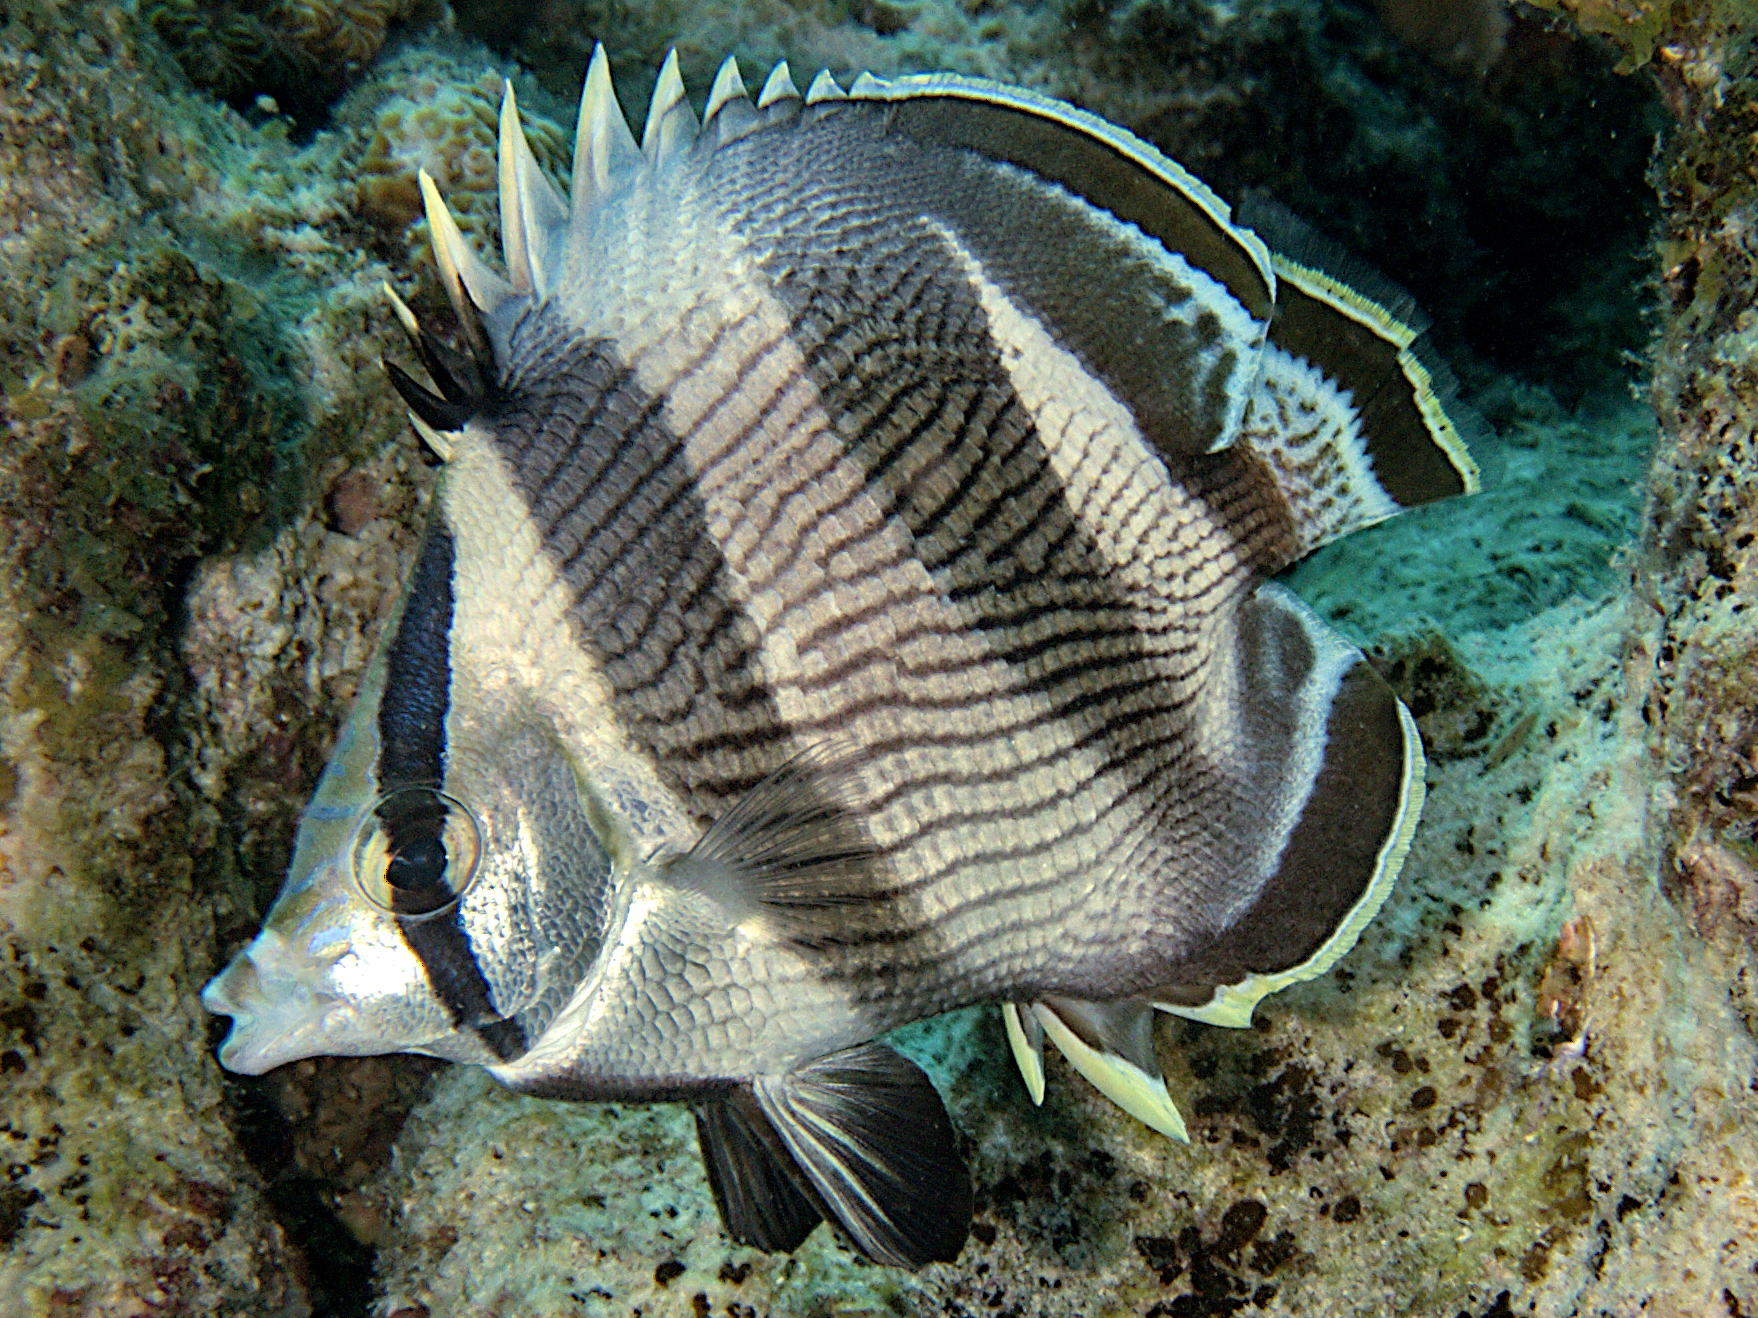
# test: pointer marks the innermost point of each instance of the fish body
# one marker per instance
(846, 601)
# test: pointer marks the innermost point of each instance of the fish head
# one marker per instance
(330, 972)
(451, 916)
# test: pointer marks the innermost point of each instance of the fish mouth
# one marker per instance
(276, 1018)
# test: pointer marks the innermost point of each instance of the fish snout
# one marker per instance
(278, 1007)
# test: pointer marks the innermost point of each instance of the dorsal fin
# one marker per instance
(463, 381)
(729, 114)
(671, 123)
(471, 287)
(531, 209)
(1367, 334)
(1109, 166)
(1353, 410)
(778, 86)
(727, 85)
(1186, 295)
(604, 149)
(824, 88)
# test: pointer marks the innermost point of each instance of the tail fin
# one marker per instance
(1353, 409)
(860, 1137)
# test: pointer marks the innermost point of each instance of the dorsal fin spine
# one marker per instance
(604, 148)
(531, 208)
(727, 86)
(671, 124)
(405, 317)
(824, 88)
(514, 253)
(778, 86)
(469, 283)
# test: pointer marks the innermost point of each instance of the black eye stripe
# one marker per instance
(412, 712)
(412, 751)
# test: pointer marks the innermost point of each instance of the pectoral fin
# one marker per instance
(869, 1142)
(1112, 1045)
(794, 851)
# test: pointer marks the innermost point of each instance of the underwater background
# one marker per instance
(1531, 1089)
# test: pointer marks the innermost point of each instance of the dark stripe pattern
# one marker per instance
(1410, 465)
(1067, 787)
(899, 352)
(412, 741)
(616, 506)
(1145, 331)
(412, 712)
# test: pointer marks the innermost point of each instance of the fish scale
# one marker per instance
(847, 600)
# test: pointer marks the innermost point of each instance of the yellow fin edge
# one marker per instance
(1233, 1004)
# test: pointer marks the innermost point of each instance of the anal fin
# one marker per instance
(1026, 1037)
(1112, 1045)
(755, 1183)
(872, 1143)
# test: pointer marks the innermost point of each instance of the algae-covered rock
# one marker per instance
(185, 357)
(146, 396)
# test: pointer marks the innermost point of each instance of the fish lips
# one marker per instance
(277, 1017)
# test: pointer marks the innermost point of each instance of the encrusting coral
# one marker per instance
(421, 111)
(301, 52)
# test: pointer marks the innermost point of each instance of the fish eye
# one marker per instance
(416, 852)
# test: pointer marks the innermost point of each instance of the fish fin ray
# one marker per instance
(1026, 1038)
(825, 88)
(869, 1131)
(470, 285)
(1112, 1045)
(671, 123)
(405, 317)
(757, 1186)
(778, 86)
(727, 87)
(605, 152)
(532, 211)
(793, 845)
(458, 375)
(439, 413)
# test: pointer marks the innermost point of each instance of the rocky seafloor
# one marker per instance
(1533, 1087)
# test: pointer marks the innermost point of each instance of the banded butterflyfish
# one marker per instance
(847, 599)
